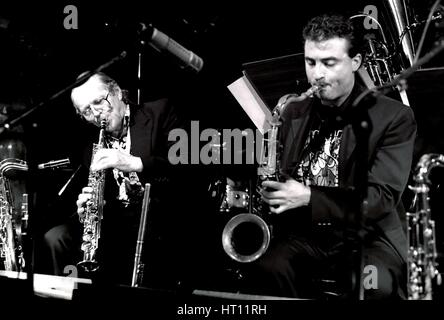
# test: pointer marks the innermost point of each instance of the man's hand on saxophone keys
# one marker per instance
(113, 158)
(82, 199)
(282, 196)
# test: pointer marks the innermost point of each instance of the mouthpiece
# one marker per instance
(103, 124)
(292, 97)
(311, 91)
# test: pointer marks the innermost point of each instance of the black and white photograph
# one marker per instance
(221, 160)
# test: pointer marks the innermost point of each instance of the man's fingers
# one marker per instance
(276, 202)
(277, 209)
(103, 153)
(87, 190)
(80, 203)
(272, 184)
(82, 199)
(103, 159)
(273, 194)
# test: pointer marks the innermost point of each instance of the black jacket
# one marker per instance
(390, 150)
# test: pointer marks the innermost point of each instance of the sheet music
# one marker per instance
(251, 102)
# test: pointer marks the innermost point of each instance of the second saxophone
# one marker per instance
(255, 232)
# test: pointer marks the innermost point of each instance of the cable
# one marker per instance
(374, 19)
(429, 19)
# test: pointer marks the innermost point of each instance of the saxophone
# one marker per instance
(422, 265)
(235, 244)
(93, 211)
(7, 235)
(12, 228)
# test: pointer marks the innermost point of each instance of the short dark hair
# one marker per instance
(112, 86)
(109, 82)
(328, 26)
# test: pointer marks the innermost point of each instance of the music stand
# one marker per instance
(276, 77)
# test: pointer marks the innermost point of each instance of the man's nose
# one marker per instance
(99, 115)
(96, 112)
(318, 72)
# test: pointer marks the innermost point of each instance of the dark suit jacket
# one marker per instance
(150, 125)
(390, 152)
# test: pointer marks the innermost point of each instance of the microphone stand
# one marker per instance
(362, 128)
(140, 46)
(29, 246)
(139, 266)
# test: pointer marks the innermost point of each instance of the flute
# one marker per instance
(138, 265)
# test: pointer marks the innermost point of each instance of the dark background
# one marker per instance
(39, 57)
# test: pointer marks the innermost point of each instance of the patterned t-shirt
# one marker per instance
(320, 167)
(320, 157)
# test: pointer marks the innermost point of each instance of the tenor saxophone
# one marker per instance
(422, 264)
(93, 211)
(11, 230)
(7, 235)
(246, 236)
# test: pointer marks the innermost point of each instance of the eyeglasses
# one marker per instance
(87, 112)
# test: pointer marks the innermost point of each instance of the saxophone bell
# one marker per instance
(246, 237)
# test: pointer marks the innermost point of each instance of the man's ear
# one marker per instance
(119, 93)
(356, 62)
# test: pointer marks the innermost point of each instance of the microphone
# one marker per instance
(54, 164)
(161, 42)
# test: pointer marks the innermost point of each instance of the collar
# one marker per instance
(328, 112)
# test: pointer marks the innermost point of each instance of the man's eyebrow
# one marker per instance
(323, 60)
(327, 58)
(97, 100)
(330, 59)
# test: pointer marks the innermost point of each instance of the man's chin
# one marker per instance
(325, 96)
(328, 99)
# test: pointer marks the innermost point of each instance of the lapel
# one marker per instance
(346, 150)
(296, 136)
(298, 128)
(348, 143)
(140, 131)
